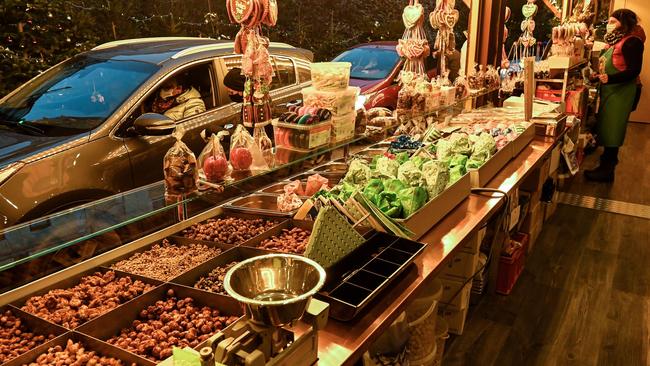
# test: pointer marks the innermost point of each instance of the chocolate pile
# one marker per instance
(15, 338)
(213, 282)
(228, 230)
(290, 241)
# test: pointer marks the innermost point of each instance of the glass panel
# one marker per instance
(285, 73)
(42, 246)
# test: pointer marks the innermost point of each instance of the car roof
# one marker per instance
(389, 45)
(160, 50)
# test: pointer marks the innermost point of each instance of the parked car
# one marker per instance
(375, 69)
(81, 130)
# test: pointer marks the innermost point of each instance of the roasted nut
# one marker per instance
(155, 343)
(95, 295)
(166, 261)
(228, 230)
(213, 282)
(15, 338)
(75, 354)
(290, 241)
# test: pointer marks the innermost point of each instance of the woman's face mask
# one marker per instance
(612, 24)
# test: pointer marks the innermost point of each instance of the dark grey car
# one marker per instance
(65, 136)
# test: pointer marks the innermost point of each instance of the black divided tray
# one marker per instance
(363, 274)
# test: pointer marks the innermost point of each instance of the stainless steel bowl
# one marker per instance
(276, 288)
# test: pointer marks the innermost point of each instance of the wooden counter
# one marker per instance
(345, 342)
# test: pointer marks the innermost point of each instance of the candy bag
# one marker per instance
(265, 145)
(212, 160)
(288, 202)
(294, 187)
(462, 89)
(244, 152)
(179, 168)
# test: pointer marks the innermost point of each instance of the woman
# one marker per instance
(619, 73)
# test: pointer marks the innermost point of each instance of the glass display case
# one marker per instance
(37, 248)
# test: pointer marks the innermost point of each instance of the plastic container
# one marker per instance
(339, 102)
(301, 137)
(447, 95)
(394, 339)
(510, 268)
(330, 76)
(442, 334)
(422, 314)
(427, 360)
(343, 127)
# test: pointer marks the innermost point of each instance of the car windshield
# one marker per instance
(370, 63)
(76, 95)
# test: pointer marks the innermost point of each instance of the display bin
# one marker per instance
(480, 177)
(33, 324)
(180, 238)
(89, 343)
(301, 137)
(111, 323)
(343, 127)
(276, 231)
(75, 280)
(455, 293)
(338, 102)
(237, 254)
(421, 221)
(510, 268)
(261, 204)
(180, 241)
(520, 143)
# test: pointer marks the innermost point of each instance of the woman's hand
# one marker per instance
(603, 78)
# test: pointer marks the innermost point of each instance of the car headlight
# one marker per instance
(9, 170)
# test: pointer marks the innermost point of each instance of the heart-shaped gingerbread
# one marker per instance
(412, 15)
(528, 10)
(241, 9)
(272, 18)
(433, 20)
(451, 18)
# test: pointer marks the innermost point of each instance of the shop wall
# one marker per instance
(641, 8)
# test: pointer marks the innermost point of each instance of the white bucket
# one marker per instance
(442, 334)
(430, 294)
(427, 360)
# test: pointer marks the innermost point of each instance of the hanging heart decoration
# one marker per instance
(241, 9)
(412, 15)
(433, 20)
(524, 25)
(531, 25)
(451, 18)
(528, 10)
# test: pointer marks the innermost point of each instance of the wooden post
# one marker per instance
(529, 87)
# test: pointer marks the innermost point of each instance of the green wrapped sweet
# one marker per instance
(436, 176)
(419, 161)
(394, 185)
(359, 173)
(443, 149)
(373, 189)
(387, 167)
(475, 162)
(410, 174)
(373, 163)
(456, 172)
(345, 190)
(460, 144)
(457, 160)
(484, 146)
(402, 157)
(412, 199)
(390, 204)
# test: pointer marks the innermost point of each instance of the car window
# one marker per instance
(181, 95)
(76, 95)
(285, 72)
(304, 72)
(370, 63)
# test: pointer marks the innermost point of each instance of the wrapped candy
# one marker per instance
(265, 145)
(288, 202)
(410, 174)
(387, 167)
(179, 168)
(436, 176)
(462, 88)
(412, 199)
(359, 173)
(244, 152)
(213, 161)
(315, 183)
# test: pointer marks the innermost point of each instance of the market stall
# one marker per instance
(303, 248)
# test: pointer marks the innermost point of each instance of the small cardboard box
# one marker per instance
(455, 293)
(461, 266)
(455, 319)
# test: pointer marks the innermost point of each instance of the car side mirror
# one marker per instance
(153, 124)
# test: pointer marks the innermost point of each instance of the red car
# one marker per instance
(375, 68)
